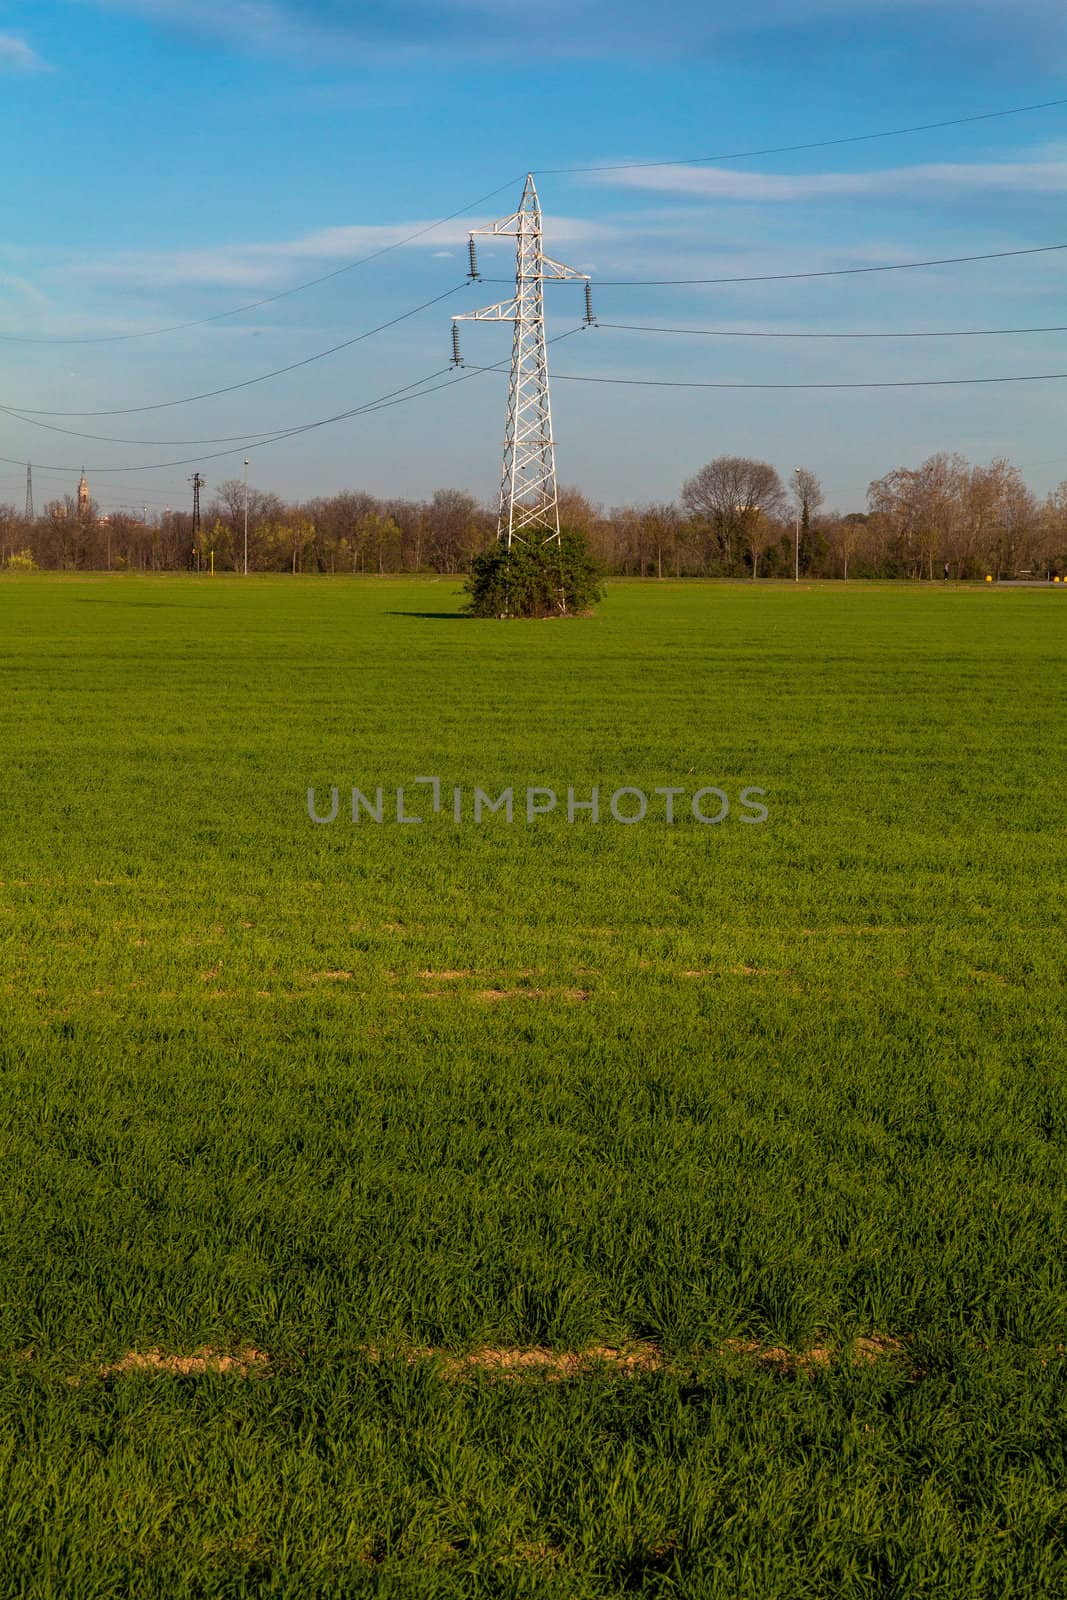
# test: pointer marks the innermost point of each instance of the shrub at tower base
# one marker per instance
(535, 580)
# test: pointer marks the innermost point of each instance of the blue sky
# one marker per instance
(172, 159)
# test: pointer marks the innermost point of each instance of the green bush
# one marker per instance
(545, 580)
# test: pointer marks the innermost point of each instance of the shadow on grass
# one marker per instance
(434, 616)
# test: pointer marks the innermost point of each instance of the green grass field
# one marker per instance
(735, 1098)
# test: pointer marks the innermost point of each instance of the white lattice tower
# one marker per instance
(529, 508)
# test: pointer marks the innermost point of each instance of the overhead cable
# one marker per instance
(749, 333)
(395, 397)
(831, 272)
(881, 383)
(270, 299)
(245, 383)
(814, 144)
(257, 441)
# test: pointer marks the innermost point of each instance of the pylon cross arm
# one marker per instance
(503, 311)
(506, 228)
(560, 271)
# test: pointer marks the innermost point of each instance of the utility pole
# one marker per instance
(796, 542)
(529, 506)
(29, 493)
(246, 516)
(198, 483)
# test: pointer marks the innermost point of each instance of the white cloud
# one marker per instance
(23, 287)
(719, 183)
(257, 26)
(268, 266)
(329, 28)
(17, 56)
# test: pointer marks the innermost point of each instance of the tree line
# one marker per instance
(734, 518)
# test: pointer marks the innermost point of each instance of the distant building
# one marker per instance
(84, 502)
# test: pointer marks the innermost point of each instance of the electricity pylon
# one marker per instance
(29, 493)
(529, 507)
(198, 483)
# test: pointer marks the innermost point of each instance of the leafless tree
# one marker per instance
(758, 532)
(1053, 521)
(807, 492)
(455, 528)
(9, 533)
(1019, 531)
(663, 526)
(724, 492)
(846, 537)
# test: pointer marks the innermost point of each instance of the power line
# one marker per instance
(270, 299)
(834, 272)
(258, 441)
(815, 144)
(383, 403)
(899, 383)
(258, 437)
(28, 414)
(157, 444)
(231, 388)
(744, 333)
(418, 233)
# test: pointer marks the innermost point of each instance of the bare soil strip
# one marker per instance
(503, 1362)
(241, 1363)
(635, 1360)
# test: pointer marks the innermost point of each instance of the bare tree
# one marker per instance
(663, 527)
(227, 510)
(724, 492)
(847, 536)
(1054, 531)
(1019, 531)
(807, 492)
(455, 525)
(758, 532)
(9, 533)
(576, 510)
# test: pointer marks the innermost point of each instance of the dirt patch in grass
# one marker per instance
(492, 995)
(556, 1363)
(513, 1364)
(542, 1555)
(241, 1363)
(863, 1353)
(537, 1361)
(638, 1359)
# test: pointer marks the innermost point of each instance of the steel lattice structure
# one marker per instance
(529, 508)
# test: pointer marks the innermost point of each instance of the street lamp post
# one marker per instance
(246, 516)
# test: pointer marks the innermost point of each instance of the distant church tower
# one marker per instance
(83, 496)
